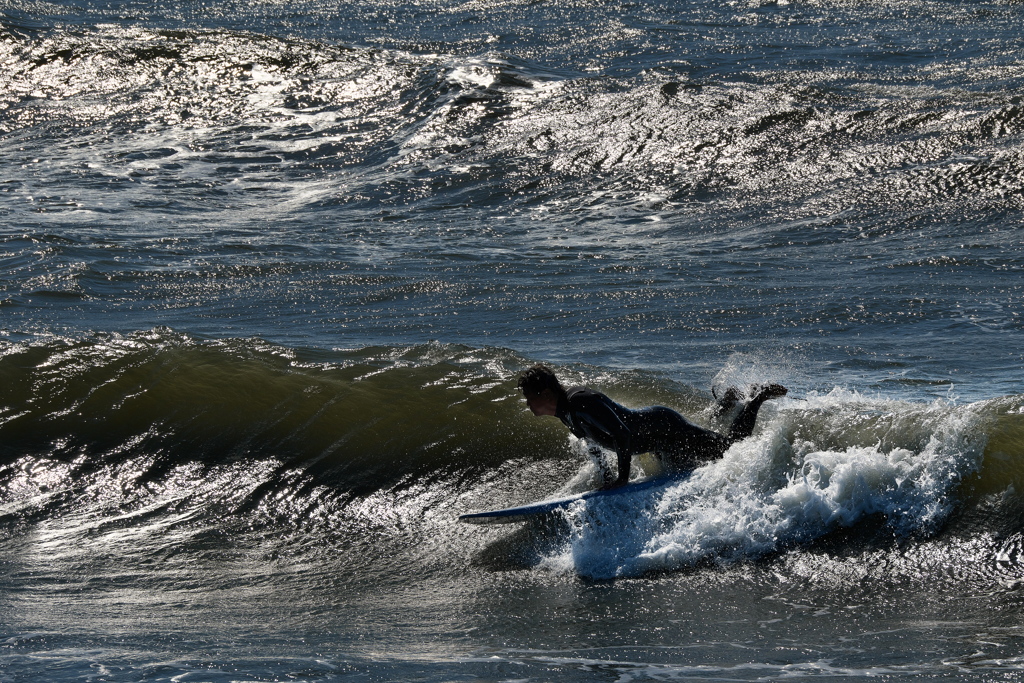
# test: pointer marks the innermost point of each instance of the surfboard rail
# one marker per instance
(522, 513)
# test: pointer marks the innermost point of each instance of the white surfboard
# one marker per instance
(523, 513)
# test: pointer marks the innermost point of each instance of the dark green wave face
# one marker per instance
(367, 418)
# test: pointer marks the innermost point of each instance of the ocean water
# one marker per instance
(270, 269)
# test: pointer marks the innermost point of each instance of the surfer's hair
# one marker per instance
(538, 378)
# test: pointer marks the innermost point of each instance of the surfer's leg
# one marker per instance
(679, 444)
(697, 450)
(743, 425)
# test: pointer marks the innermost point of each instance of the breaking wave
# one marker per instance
(403, 439)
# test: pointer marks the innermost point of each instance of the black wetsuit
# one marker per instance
(680, 444)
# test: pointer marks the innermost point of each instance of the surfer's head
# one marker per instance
(542, 389)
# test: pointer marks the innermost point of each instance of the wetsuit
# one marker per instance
(680, 444)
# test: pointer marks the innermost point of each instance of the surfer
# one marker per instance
(677, 442)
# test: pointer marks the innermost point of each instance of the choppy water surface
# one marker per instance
(270, 270)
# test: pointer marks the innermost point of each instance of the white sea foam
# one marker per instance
(833, 461)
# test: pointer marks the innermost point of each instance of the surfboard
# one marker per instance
(523, 513)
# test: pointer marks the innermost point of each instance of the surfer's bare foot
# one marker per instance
(766, 392)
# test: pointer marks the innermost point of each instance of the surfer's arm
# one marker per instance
(623, 439)
(606, 428)
(624, 461)
(610, 479)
